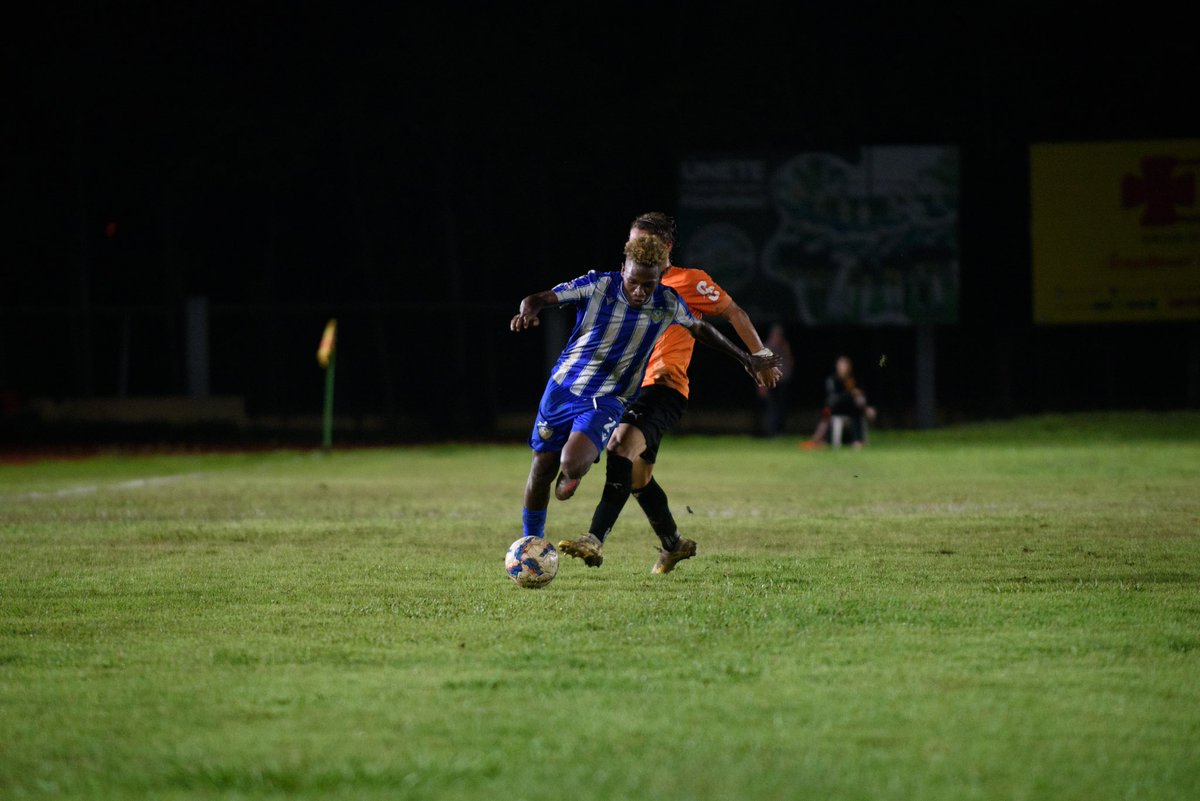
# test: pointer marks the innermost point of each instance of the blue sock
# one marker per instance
(534, 522)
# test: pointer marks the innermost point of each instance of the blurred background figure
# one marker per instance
(846, 411)
(775, 401)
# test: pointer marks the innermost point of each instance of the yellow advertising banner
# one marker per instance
(1116, 231)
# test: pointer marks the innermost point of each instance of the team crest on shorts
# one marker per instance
(545, 431)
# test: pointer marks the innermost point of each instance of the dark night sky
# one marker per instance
(308, 157)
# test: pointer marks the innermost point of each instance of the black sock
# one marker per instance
(618, 479)
(654, 503)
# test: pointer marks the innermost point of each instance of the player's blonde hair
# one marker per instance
(647, 251)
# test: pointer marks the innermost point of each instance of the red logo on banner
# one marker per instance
(1162, 188)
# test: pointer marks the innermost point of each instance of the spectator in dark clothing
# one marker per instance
(776, 399)
(846, 400)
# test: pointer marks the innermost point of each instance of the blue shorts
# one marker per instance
(562, 412)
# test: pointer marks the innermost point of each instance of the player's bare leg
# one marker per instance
(541, 475)
(537, 493)
(653, 500)
(578, 456)
(643, 471)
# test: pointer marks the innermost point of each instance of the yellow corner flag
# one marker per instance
(328, 343)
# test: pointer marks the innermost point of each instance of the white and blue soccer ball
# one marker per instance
(532, 562)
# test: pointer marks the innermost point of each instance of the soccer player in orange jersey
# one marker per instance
(633, 448)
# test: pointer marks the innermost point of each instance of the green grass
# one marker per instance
(1007, 611)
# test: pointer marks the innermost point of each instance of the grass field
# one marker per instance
(1006, 611)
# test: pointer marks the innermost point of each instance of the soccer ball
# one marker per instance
(532, 562)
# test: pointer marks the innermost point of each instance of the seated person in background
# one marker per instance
(843, 398)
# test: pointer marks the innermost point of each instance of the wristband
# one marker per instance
(765, 352)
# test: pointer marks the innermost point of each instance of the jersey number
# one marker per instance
(709, 291)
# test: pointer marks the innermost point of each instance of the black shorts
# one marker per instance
(654, 413)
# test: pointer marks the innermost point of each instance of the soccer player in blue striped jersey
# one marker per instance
(619, 317)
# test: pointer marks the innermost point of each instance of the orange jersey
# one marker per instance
(673, 352)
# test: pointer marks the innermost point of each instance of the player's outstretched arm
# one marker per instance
(741, 323)
(704, 332)
(527, 317)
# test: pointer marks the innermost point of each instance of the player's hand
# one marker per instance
(762, 362)
(524, 320)
(770, 378)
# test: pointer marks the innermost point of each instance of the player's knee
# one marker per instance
(622, 445)
(576, 467)
(577, 459)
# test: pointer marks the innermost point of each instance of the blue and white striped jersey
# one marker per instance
(608, 350)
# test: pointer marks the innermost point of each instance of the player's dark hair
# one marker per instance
(646, 251)
(658, 224)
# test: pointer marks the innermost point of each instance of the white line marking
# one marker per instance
(88, 489)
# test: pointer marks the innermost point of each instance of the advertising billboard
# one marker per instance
(1115, 228)
(867, 236)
